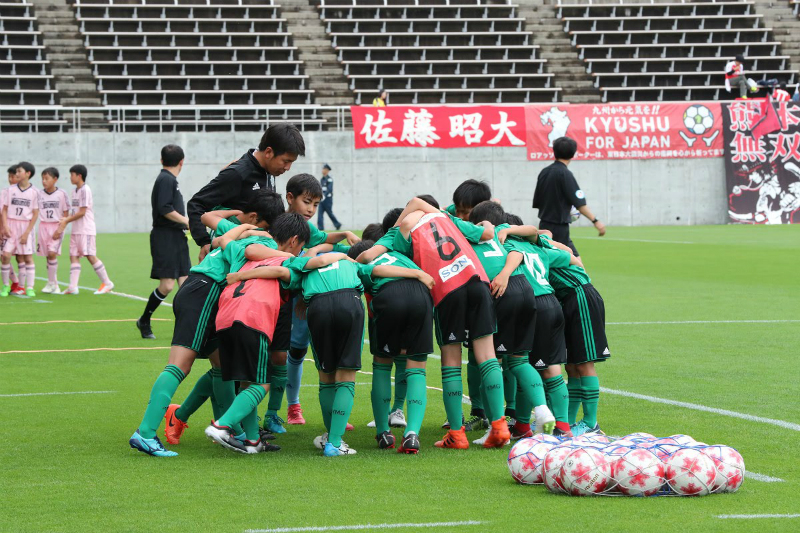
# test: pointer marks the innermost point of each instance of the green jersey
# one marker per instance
(214, 266)
(317, 236)
(234, 251)
(341, 248)
(387, 241)
(337, 276)
(231, 222)
(537, 262)
(470, 231)
(375, 284)
(492, 254)
(564, 279)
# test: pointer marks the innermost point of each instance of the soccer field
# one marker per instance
(704, 316)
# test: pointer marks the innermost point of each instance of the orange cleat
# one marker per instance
(499, 435)
(174, 427)
(349, 427)
(456, 439)
(294, 415)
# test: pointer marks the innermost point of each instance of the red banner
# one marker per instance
(438, 126)
(626, 131)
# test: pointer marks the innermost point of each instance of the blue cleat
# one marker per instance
(274, 424)
(332, 451)
(150, 446)
(581, 428)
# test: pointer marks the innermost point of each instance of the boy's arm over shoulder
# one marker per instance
(219, 191)
(472, 232)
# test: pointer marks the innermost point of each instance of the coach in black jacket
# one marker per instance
(280, 146)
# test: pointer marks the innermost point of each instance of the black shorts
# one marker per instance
(560, 234)
(336, 325)
(170, 252)
(549, 347)
(516, 318)
(195, 309)
(467, 313)
(283, 328)
(585, 326)
(243, 354)
(403, 319)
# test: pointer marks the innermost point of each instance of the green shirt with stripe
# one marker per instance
(536, 262)
(213, 265)
(493, 255)
(334, 277)
(375, 284)
(564, 279)
(317, 237)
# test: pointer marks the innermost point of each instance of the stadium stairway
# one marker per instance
(785, 26)
(562, 59)
(70, 65)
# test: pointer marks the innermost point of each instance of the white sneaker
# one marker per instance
(397, 419)
(481, 440)
(371, 424)
(545, 421)
(105, 288)
(56, 289)
(47, 288)
(70, 290)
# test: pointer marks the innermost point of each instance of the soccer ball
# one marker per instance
(698, 119)
(615, 450)
(664, 448)
(589, 440)
(586, 471)
(640, 436)
(638, 473)
(525, 460)
(684, 440)
(543, 437)
(551, 468)
(730, 468)
(574, 215)
(690, 472)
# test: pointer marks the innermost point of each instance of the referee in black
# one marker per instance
(168, 245)
(280, 146)
(556, 193)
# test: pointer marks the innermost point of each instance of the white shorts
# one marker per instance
(82, 245)
(12, 244)
(47, 243)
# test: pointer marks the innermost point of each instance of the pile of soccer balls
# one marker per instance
(638, 464)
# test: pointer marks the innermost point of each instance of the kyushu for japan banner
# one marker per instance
(438, 126)
(762, 171)
(626, 131)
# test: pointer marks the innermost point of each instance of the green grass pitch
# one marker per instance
(66, 464)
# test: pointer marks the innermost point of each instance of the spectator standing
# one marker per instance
(734, 75)
(326, 205)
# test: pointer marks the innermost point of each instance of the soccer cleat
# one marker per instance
(581, 428)
(320, 441)
(455, 439)
(145, 329)
(263, 434)
(475, 423)
(255, 446)
(274, 424)
(56, 289)
(70, 290)
(30, 293)
(523, 432)
(19, 291)
(174, 426)
(385, 440)
(222, 435)
(332, 451)
(5, 291)
(294, 415)
(562, 434)
(498, 435)
(105, 288)
(410, 444)
(545, 421)
(349, 427)
(47, 289)
(481, 440)
(149, 446)
(371, 424)
(397, 419)
(15, 287)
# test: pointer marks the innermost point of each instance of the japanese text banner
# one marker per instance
(626, 131)
(438, 126)
(762, 174)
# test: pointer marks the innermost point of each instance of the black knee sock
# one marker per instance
(152, 304)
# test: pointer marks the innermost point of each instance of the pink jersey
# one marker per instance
(52, 205)
(21, 204)
(3, 200)
(82, 197)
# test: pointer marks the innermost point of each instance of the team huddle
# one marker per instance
(469, 275)
(22, 205)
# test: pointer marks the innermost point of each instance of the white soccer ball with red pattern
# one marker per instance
(664, 448)
(729, 465)
(684, 440)
(586, 471)
(690, 472)
(551, 468)
(638, 473)
(543, 437)
(591, 439)
(640, 436)
(525, 460)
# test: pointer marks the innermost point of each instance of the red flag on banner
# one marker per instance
(767, 122)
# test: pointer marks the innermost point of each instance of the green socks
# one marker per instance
(524, 406)
(277, 385)
(250, 425)
(474, 382)
(382, 395)
(417, 398)
(327, 391)
(400, 383)
(224, 393)
(591, 396)
(200, 393)
(558, 398)
(241, 407)
(575, 397)
(342, 405)
(492, 386)
(160, 397)
(509, 386)
(529, 381)
(452, 394)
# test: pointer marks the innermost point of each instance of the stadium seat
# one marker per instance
(25, 77)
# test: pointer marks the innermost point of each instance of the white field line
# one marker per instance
(762, 477)
(751, 516)
(360, 527)
(80, 321)
(636, 240)
(57, 393)
(76, 350)
(702, 322)
(115, 293)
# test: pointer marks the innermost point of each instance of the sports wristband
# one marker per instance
(595, 221)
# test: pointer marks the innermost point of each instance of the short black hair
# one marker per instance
(12, 169)
(739, 58)
(287, 225)
(359, 247)
(283, 138)
(514, 220)
(489, 211)
(430, 199)
(301, 184)
(53, 171)
(390, 219)
(471, 192)
(267, 205)
(171, 155)
(79, 169)
(373, 232)
(27, 167)
(564, 148)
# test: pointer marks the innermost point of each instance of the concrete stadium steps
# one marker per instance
(778, 15)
